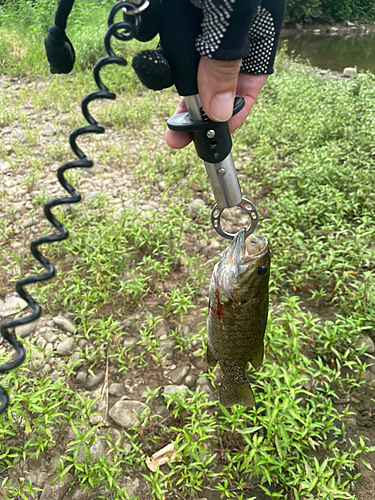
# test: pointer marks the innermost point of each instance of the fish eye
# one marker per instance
(262, 270)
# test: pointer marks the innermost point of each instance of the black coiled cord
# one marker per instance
(124, 31)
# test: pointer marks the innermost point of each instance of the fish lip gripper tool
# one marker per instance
(179, 26)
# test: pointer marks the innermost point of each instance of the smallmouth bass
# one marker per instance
(237, 315)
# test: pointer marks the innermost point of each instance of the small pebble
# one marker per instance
(66, 347)
(195, 207)
(66, 324)
(27, 223)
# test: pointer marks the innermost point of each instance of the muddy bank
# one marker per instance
(347, 29)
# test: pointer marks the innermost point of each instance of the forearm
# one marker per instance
(62, 13)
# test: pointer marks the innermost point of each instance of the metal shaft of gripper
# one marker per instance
(222, 176)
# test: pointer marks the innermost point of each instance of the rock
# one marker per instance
(66, 347)
(19, 208)
(203, 290)
(369, 376)
(50, 336)
(317, 31)
(93, 381)
(81, 377)
(76, 495)
(27, 223)
(5, 167)
(130, 342)
(76, 360)
(162, 410)
(57, 490)
(370, 347)
(167, 348)
(95, 170)
(180, 390)
(12, 305)
(123, 412)
(350, 24)
(147, 208)
(371, 363)
(91, 195)
(82, 343)
(116, 389)
(34, 463)
(178, 375)
(333, 29)
(46, 369)
(48, 348)
(348, 72)
(65, 324)
(48, 130)
(135, 488)
(41, 479)
(97, 449)
(162, 185)
(26, 330)
(299, 27)
(194, 207)
(214, 245)
(190, 380)
(161, 328)
(206, 387)
(115, 434)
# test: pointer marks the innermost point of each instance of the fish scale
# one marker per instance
(237, 315)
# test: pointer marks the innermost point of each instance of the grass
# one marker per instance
(307, 159)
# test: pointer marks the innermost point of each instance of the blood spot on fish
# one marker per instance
(218, 311)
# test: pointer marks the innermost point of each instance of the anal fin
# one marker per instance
(236, 394)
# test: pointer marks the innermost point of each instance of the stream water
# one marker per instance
(334, 52)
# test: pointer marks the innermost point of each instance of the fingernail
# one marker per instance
(222, 106)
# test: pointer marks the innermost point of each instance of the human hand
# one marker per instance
(218, 83)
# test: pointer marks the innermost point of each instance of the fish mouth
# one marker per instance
(243, 251)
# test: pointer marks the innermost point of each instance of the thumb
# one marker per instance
(217, 83)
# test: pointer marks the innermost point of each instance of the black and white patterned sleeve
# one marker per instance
(241, 29)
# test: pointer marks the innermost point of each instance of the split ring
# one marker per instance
(247, 206)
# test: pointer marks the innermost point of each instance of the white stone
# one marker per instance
(123, 412)
(349, 72)
(66, 324)
(26, 330)
(370, 347)
(12, 304)
(66, 347)
(195, 207)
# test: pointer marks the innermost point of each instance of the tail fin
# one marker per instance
(236, 394)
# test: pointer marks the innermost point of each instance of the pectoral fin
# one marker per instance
(257, 359)
(211, 360)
